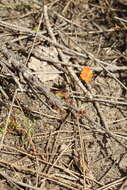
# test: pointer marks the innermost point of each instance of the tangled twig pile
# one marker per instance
(68, 132)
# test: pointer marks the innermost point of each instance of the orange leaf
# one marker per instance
(86, 74)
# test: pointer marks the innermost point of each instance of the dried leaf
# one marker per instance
(43, 70)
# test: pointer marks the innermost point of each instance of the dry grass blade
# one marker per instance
(13, 180)
(38, 28)
(7, 121)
